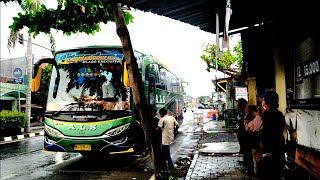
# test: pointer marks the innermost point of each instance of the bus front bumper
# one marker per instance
(107, 145)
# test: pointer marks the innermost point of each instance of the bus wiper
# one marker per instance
(55, 114)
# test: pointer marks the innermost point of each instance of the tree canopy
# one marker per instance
(226, 59)
(70, 17)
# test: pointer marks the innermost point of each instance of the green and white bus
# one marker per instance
(90, 106)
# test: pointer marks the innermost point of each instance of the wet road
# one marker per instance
(25, 159)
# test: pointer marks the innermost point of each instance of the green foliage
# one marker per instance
(30, 5)
(70, 17)
(12, 119)
(209, 56)
(225, 60)
(239, 53)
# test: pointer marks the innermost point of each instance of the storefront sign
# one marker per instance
(307, 69)
(306, 94)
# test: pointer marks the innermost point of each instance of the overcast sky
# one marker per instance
(177, 44)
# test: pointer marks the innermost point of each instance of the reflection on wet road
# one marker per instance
(20, 147)
(25, 159)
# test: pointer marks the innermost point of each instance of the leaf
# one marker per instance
(75, 16)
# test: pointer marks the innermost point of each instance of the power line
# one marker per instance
(39, 45)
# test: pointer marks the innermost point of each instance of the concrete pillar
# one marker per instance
(14, 105)
(229, 99)
(280, 80)
(252, 93)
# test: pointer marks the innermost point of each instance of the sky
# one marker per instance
(177, 44)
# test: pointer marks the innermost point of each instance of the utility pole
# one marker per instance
(29, 59)
(217, 52)
(29, 73)
(217, 41)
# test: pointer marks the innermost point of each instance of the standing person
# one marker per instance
(272, 140)
(253, 125)
(157, 136)
(167, 124)
(242, 136)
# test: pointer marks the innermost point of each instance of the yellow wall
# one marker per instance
(280, 81)
(252, 93)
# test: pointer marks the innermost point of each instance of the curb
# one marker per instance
(22, 136)
(193, 163)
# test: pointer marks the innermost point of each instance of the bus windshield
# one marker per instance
(89, 82)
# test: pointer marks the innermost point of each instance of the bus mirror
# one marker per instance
(56, 85)
(126, 82)
(36, 78)
(37, 69)
(37, 72)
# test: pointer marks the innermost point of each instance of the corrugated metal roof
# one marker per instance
(245, 13)
(202, 13)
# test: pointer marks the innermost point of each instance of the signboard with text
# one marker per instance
(307, 69)
(307, 82)
(241, 92)
(18, 80)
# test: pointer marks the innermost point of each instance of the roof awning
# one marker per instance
(14, 94)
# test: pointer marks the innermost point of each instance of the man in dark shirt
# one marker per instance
(243, 138)
(272, 139)
(241, 105)
(157, 135)
(155, 122)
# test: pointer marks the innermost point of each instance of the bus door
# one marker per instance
(152, 91)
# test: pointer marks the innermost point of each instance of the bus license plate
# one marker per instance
(82, 147)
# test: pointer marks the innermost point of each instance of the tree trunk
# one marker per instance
(136, 84)
(29, 73)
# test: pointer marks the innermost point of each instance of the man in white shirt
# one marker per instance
(167, 124)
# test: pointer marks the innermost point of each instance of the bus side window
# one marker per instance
(147, 73)
(156, 73)
(169, 81)
(175, 85)
(139, 56)
(163, 84)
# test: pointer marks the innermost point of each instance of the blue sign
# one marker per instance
(18, 80)
(17, 73)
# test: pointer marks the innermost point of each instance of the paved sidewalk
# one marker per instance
(217, 158)
(35, 130)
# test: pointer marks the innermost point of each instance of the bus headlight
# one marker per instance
(117, 130)
(52, 131)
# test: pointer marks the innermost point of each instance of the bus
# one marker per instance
(90, 106)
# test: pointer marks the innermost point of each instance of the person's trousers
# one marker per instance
(167, 163)
(255, 153)
(270, 167)
(247, 156)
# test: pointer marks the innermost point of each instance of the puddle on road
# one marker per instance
(214, 126)
(220, 147)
